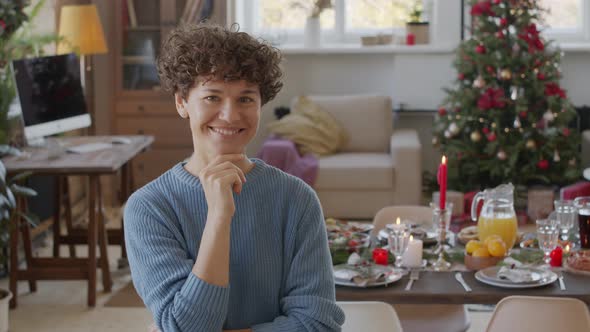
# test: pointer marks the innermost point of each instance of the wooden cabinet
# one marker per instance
(140, 106)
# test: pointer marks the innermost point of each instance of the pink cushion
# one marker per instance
(575, 190)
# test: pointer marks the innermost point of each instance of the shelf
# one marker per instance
(359, 49)
(138, 60)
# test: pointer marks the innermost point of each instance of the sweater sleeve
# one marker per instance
(161, 269)
(309, 301)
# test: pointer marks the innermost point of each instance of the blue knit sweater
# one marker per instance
(280, 267)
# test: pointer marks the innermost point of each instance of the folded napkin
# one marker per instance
(517, 275)
(358, 278)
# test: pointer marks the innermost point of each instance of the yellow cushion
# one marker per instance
(311, 128)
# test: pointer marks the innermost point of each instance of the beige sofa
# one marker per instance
(376, 168)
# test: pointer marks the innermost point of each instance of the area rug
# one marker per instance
(125, 297)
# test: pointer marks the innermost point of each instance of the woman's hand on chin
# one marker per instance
(219, 178)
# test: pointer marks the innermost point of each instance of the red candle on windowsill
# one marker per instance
(380, 256)
(442, 182)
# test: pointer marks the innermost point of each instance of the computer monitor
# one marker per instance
(50, 95)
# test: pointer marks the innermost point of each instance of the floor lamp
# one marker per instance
(81, 32)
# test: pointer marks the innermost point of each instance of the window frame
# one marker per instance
(248, 15)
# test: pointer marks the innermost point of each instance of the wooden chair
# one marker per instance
(539, 314)
(369, 317)
(422, 317)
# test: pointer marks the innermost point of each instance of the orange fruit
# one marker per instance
(497, 248)
(472, 246)
(491, 238)
(481, 252)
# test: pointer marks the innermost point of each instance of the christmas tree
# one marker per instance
(506, 118)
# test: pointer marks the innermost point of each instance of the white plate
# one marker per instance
(489, 276)
(392, 276)
(568, 268)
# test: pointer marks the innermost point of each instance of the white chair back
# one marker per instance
(539, 314)
(369, 317)
(416, 213)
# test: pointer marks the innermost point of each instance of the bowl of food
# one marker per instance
(342, 244)
(482, 254)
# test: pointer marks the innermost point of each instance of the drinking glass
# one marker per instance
(566, 217)
(398, 243)
(547, 235)
(582, 205)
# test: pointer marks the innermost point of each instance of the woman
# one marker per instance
(223, 241)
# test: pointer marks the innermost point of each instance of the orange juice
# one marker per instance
(506, 228)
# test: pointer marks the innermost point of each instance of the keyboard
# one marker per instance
(89, 147)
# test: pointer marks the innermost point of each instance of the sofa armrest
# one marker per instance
(406, 152)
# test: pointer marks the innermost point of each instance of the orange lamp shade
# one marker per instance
(81, 30)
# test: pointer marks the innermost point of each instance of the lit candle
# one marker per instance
(442, 182)
(398, 227)
(380, 256)
(413, 255)
(566, 249)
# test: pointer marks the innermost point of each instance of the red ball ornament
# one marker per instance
(457, 110)
(503, 21)
(541, 76)
(556, 257)
(442, 111)
(490, 69)
(491, 137)
(500, 34)
(543, 164)
(566, 132)
(461, 76)
(485, 130)
(523, 114)
(497, 2)
(480, 49)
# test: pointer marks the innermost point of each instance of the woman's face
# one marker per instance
(223, 115)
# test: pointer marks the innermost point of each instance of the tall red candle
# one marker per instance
(442, 182)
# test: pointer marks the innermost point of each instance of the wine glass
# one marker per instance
(566, 216)
(547, 235)
(398, 240)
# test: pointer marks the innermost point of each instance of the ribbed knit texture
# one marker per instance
(280, 268)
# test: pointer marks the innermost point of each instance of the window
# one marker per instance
(566, 20)
(283, 21)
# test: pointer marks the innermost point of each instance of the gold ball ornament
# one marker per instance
(530, 144)
(454, 129)
(505, 74)
(475, 136)
(501, 155)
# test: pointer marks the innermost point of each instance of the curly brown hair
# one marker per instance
(205, 51)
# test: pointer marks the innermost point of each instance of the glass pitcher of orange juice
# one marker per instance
(497, 214)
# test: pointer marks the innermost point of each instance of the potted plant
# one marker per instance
(415, 26)
(10, 190)
(17, 40)
(312, 30)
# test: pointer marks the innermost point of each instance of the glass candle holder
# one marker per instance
(441, 219)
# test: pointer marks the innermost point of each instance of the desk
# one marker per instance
(442, 288)
(92, 165)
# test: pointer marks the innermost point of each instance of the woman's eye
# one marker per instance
(211, 98)
(246, 100)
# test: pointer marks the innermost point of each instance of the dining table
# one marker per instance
(442, 288)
